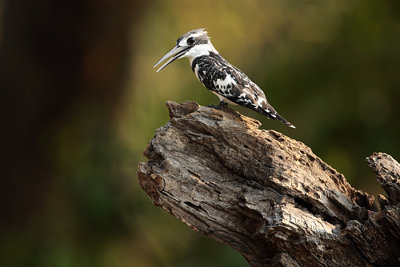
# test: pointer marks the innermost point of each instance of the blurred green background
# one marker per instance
(80, 101)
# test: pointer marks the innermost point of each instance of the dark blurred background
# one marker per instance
(80, 101)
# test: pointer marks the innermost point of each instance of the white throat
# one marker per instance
(200, 50)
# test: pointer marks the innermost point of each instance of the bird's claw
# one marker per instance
(219, 106)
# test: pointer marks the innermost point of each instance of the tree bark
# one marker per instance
(267, 195)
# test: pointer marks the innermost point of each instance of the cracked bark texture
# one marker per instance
(267, 195)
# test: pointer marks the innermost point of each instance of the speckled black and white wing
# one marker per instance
(231, 85)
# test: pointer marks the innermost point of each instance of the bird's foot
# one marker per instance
(221, 105)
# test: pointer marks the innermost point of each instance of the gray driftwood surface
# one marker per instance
(267, 195)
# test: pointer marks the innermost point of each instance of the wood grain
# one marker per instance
(267, 195)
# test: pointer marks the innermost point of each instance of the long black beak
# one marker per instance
(176, 53)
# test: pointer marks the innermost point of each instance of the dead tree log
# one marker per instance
(266, 195)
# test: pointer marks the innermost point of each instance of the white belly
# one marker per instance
(221, 98)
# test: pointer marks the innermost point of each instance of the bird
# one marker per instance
(228, 82)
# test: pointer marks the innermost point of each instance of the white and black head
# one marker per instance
(191, 45)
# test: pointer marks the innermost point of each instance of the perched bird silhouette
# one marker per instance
(229, 83)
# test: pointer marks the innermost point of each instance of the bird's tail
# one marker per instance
(282, 119)
(273, 114)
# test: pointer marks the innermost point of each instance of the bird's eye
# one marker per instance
(190, 41)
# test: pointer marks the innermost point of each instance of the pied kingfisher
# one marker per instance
(229, 83)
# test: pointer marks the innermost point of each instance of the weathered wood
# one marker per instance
(266, 195)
